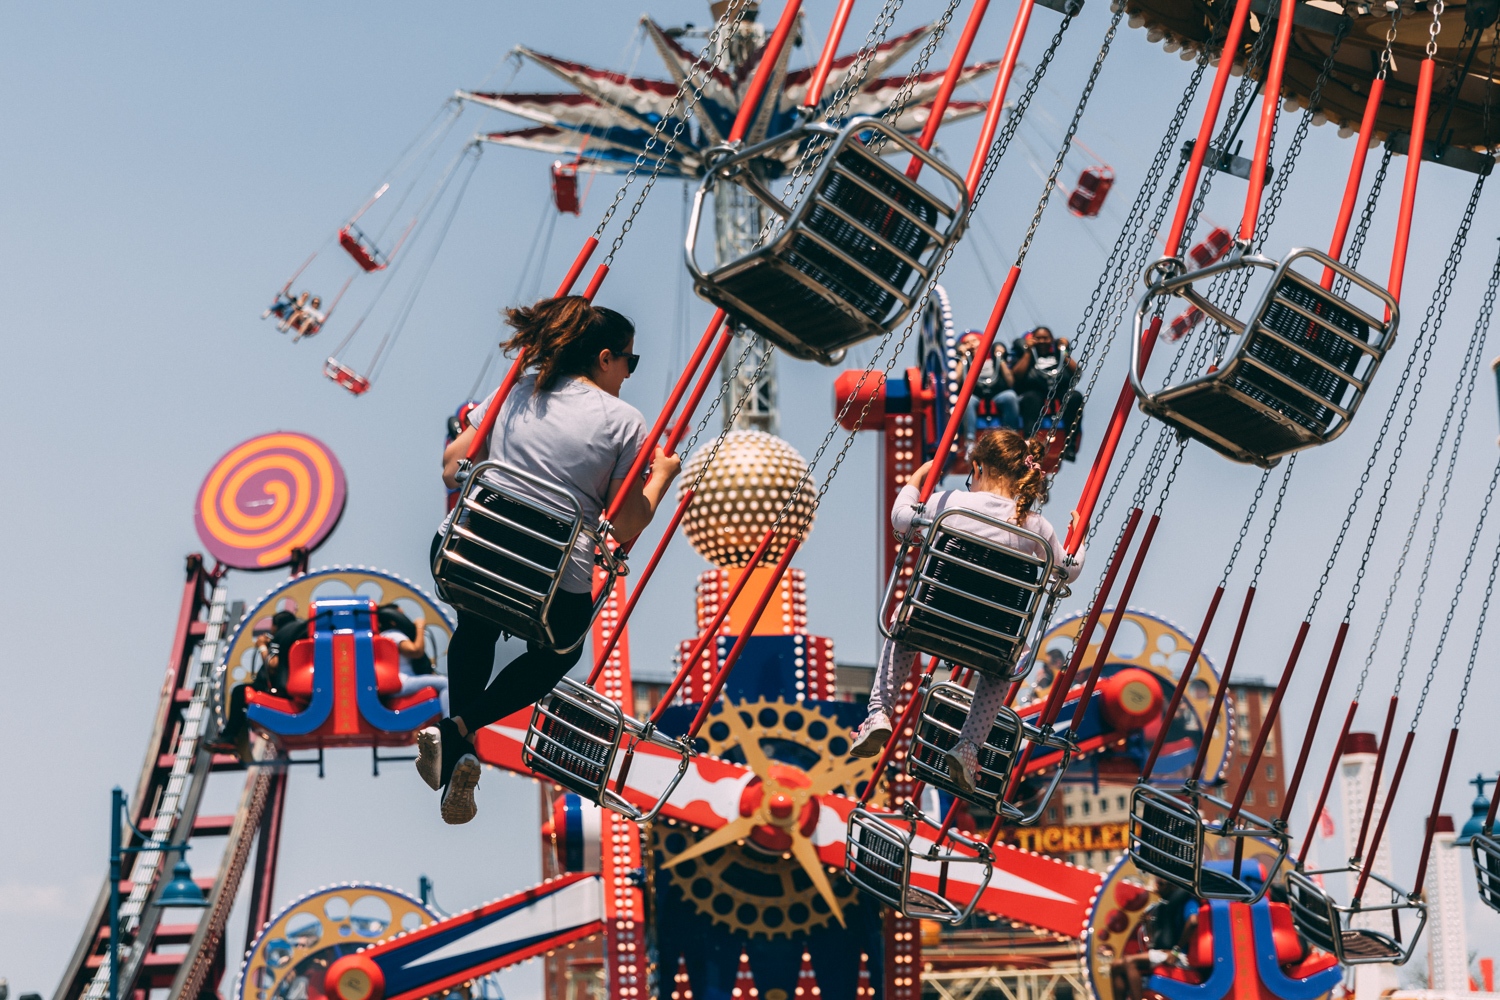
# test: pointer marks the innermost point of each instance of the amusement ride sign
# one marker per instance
(268, 497)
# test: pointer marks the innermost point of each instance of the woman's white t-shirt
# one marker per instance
(576, 436)
(994, 505)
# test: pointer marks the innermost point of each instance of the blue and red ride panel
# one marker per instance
(343, 685)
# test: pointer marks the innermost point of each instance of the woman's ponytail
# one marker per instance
(1008, 454)
(564, 335)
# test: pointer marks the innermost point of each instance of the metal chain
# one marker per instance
(1467, 377)
(838, 107)
(993, 156)
(1239, 543)
(1432, 323)
(1484, 611)
(695, 78)
(903, 94)
(1072, 130)
(1390, 40)
(1265, 544)
(1463, 576)
(1438, 302)
(1434, 29)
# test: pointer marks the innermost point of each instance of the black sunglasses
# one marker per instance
(631, 360)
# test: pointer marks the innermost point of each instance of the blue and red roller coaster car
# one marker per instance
(343, 685)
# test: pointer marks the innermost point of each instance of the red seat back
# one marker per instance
(1200, 954)
(1284, 934)
(299, 674)
(387, 666)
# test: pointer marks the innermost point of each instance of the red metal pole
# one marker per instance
(1269, 721)
(635, 595)
(1312, 722)
(950, 80)
(739, 644)
(1356, 174)
(896, 731)
(1385, 811)
(996, 106)
(770, 55)
(1333, 766)
(1111, 439)
(1437, 807)
(1223, 686)
(820, 72)
(1182, 682)
(1270, 104)
(1409, 185)
(1385, 744)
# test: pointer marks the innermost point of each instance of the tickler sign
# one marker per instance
(1067, 839)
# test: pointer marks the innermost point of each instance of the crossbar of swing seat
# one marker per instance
(459, 531)
(1485, 851)
(1151, 843)
(868, 233)
(1358, 383)
(948, 616)
(552, 541)
(950, 559)
(893, 204)
(489, 574)
(891, 850)
(901, 180)
(1338, 301)
(1248, 360)
(967, 535)
(848, 261)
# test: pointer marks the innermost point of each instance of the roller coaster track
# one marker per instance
(165, 808)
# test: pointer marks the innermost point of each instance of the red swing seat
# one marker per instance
(365, 253)
(565, 188)
(1087, 197)
(346, 377)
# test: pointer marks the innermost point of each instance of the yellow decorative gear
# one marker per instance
(740, 887)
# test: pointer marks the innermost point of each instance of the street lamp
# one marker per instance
(181, 892)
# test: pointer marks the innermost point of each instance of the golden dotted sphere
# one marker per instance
(743, 490)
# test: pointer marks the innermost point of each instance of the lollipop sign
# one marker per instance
(267, 496)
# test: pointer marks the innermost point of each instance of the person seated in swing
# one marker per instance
(286, 309)
(1045, 372)
(1008, 485)
(271, 648)
(410, 637)
(308, 319)
(563, 422)
(994, 401)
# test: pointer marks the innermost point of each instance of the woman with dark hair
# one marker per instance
(410, 637)
(564, 423)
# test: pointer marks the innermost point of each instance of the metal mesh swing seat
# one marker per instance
(505, 551)
(851, 256)
(879, 855)
(1302, 363)
(1486, 851)
(974, 600)
(1328, 925)
(1169, 838)
(575, 737)
(944, 709)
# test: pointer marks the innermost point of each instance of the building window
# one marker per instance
(1270, 746)
(1270, 798)
(1103, 806)
(1085, 807)
(1070, 812)
(1120, 802)
(1250, 797)
(1270, 772)
(1244, 744)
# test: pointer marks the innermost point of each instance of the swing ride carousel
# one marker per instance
(711, 836)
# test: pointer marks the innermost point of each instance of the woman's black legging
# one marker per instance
(471, 659)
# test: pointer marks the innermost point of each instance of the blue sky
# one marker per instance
(168, 166)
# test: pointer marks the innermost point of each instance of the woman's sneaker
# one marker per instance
(430, 756)
(458, 798)
(963, 765)
(871, 736)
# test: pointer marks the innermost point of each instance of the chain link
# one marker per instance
(1422, 346)
(1434, 28)
(1463, 576)
(902, 97)
(1265, 543)
(1484, 611)
(696, 78)
(1239, 542)
(1467, 377)
(1390, 40)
